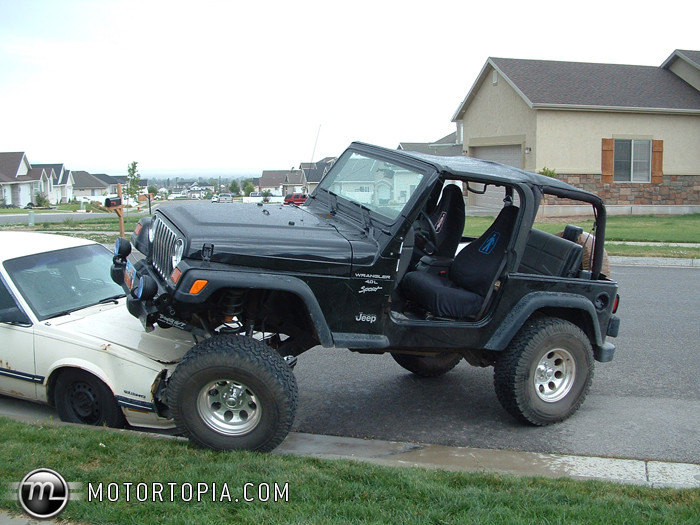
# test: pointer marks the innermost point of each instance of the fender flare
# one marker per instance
(253, 280)
(534, 301)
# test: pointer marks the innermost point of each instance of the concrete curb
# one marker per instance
(655, 474)
(650, 473)
(665, 262)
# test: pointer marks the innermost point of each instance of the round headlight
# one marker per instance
(122, 247)
(176, 255)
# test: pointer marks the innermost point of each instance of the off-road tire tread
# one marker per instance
(509, 364)
(210, 352)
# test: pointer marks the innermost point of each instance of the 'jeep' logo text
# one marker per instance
(365, 318)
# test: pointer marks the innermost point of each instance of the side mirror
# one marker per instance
(14, 315)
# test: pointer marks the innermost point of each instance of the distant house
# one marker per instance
(273, 181)
(87, 185)
(314, 171)
(62, 191)
(294, 182)
(199, 190)
(20, 182)
(630, 133)
(447, 146)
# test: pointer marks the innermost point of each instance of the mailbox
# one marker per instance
(111, 202)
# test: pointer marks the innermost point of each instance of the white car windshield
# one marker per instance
(378, 185)
(63, 281)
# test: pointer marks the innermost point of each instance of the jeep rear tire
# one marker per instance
(233, 392)
(546, 372)
(428, 366)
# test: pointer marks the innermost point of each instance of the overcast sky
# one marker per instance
(237, 87)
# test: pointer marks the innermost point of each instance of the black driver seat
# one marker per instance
(448, 220)
(471, 276)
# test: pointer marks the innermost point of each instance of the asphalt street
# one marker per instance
(644, 404)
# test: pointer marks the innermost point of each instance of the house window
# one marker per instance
(632, 160)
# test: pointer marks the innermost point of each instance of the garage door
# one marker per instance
(512, 155)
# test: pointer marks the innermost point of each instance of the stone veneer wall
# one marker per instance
(674, 190)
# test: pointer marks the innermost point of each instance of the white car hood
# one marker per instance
(113, 324)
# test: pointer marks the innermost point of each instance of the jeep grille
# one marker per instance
(164, 238)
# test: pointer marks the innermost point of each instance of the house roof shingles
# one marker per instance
(82, 180)
(447, 146)
(9, 165)
(546, 82)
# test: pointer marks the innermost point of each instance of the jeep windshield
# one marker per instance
(378, 185)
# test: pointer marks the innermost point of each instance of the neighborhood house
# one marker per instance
(629, 133)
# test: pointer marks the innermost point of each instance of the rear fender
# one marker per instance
(566, 304)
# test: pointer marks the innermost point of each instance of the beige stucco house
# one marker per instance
(630, 133)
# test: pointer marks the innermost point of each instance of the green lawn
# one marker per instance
(317, 491)
(663, 228)
(645, 228)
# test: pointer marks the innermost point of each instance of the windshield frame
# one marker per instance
(344, 202)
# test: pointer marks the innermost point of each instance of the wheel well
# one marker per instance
(51, 382)
(575, 316)
(277, 311)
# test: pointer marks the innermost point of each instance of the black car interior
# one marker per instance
(441, 283)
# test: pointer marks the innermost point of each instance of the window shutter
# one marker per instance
(607, 165)
(657, 161)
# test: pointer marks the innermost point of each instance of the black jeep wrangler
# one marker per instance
(372, 263)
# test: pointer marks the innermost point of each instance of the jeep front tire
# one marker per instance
(546, 372)
(233, 392)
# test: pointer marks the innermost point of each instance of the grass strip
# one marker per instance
(318, 491)
(631, 228)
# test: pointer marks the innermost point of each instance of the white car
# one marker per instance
(68, 340)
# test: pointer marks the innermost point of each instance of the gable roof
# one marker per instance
(546, 84)
(692, 57)
(9, 165)
(446, 146)
(82, 180)
(33, 175)
(295, 177)
(273, 178)
(314, 171)
(107, 179)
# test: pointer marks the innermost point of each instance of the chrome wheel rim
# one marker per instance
(554, 375)
(229, 407)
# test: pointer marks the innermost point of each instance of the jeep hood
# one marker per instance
(112, 324)
(272, 236)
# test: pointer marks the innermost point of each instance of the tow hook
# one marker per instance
(291, 361)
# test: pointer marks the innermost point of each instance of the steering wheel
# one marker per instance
(429, 237)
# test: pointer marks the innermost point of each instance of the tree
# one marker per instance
(153, 189)
(234, 187)
(248, 188)
(132, 181)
